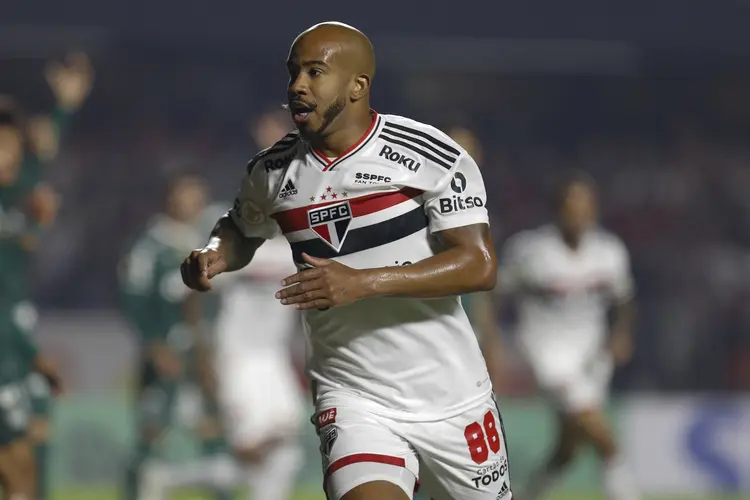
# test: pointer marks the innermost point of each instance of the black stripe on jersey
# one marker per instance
(417, 150)
(427, 136)
(414, 140)
(367, 237)
(286, 143)
(358, 148)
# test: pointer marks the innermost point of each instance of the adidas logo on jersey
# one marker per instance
(503, 491)
(288, 189)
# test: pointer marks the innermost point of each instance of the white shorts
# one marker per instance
(463, 457)
(259, 397)
(573, 385)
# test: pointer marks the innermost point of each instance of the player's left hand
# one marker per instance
(621, 345)
(327, 284)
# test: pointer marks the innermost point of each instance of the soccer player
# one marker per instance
(164, 313)
(28, 205)
(258, 392)
(387, 225)
(564, 277)
(19, 356)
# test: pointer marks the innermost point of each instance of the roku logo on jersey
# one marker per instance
(458, 203)
(331, 223)
(395, 156)
(275, 164)
(327, 417)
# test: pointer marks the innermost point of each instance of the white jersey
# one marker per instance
(252, 320)
(376, 205)
(563, 294)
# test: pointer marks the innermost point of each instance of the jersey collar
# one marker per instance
(329, 164)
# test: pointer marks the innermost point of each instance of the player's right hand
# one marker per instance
(200, 266)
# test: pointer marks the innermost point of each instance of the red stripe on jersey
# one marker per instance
(295, 219)
(329, 162)
(360, 458)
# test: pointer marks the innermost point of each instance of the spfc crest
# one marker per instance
(326, 444)
(331, 223)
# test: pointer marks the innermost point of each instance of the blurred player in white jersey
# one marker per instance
(387, 225)
(565, 278)
(258, 392)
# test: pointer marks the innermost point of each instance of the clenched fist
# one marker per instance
(200, 266)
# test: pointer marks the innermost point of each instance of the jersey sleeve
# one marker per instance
(510, 270)
(251, 206)
(459, 197)
(623, 286)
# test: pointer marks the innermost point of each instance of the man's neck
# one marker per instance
(571, 240)
(348, 132)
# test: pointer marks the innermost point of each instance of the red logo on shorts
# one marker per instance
(326, 417)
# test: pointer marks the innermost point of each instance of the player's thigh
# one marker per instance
(464, 457)
(258, 402)
(376, 490)
(594, 427)
(360, 450)
(17, 467)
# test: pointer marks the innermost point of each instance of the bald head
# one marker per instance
(331, 66)
(343, 41)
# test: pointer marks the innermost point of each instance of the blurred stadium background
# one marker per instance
(652, 98)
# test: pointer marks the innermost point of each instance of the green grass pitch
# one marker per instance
(308, 494)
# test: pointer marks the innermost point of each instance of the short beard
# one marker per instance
(331, 113)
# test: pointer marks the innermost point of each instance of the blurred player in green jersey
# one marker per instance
(27, 205)
(174, 389)
(19, 357)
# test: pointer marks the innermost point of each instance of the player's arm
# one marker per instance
(624, 310)
(70, 82)
(236, 236)
(509, 279)
(485, 316)
(465, 264)
(47, 368)
(235, 248)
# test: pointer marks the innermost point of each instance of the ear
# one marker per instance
(361, 87)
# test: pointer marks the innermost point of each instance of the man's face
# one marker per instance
(578, 211)
(188, 199)
(318, 84)
(11, 153)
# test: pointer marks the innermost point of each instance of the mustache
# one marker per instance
(288, 106)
